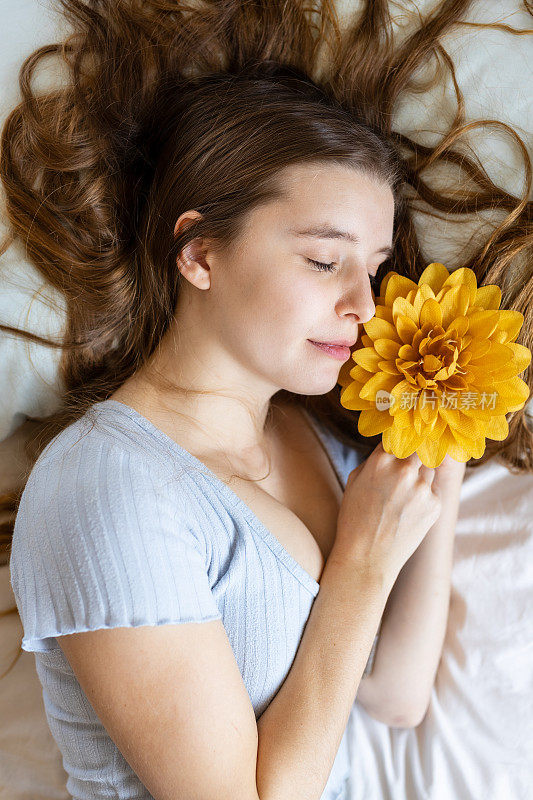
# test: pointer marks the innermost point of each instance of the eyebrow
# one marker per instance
(327, 232)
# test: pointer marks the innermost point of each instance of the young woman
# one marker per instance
(201, 558)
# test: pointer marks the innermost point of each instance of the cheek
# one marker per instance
(269, 287)
(291, 307)
(272, 306)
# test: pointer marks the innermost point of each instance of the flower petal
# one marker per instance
(455, 383)
(424, 292)
(489, 296)
(470, 424)
(402, 442)
(432, 451)
(454, 304)
(464, 276)
(498, 356)
(430, 312)
(498, 368)
(439, 427)
(478, 348)
(497, 428)
(419, 423)
(372, 422)
(402, 418)
(514, 391)
(381, 380)
(398, 286)
(431, 363)
(457, 327)
(406, 329)
(385, 440)
(450, 415)
(453, 449)
(389, 366)
(387, 348)
(384, 283)
(482, 324)
(509, 325)
(359, 374)
(403, 388)
(367, 358)
(434, 275)
(521, 356)
(381, 329)
(350, 398)
(343, 378)
(428, 406)
(475, 447)
(403, 306)
(408, 353)
(384, 312)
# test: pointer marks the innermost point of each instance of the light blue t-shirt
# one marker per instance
(120, 526)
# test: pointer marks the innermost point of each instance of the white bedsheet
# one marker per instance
(476, 740)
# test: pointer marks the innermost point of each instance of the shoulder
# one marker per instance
(98, 474)
(105, 537)
(96, 435)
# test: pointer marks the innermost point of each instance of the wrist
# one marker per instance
(348, 565)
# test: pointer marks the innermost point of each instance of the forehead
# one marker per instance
(333, 202)
(304, 186)
(323, 200)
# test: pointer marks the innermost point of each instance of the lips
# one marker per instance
(338, 343)
(339, 352)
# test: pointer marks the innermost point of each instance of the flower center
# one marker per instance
(434, 359)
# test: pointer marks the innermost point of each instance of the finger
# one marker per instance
(356, 470)
(427, 473)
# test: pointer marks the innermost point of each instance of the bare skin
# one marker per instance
(242, 328)
(244, 318)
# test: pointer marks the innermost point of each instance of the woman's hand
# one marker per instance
(414, 621)
(448, 471)
(387, 508)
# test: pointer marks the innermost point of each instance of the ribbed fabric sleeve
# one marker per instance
(97, 545)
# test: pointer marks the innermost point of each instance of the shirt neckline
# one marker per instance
(272, 541)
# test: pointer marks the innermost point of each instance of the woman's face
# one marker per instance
(267, 299)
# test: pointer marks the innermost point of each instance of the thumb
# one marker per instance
(356, 470)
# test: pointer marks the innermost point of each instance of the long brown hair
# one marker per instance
(205, 108)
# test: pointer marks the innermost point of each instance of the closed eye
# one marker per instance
(321, 266)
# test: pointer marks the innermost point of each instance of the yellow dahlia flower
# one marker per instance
(437, 367)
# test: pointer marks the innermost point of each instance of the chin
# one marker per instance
(309, 387)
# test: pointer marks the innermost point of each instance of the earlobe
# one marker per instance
(193, 266)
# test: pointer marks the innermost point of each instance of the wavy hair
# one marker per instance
(203, 112)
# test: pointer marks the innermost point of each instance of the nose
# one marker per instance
(358, 301)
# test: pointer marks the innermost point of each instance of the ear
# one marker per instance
(191, 262)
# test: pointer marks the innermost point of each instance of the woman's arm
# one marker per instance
(415, 616)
